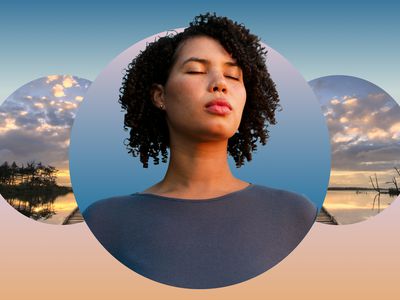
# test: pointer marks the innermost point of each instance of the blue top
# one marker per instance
(202, 243)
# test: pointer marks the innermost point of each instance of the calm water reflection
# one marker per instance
(46, 209)
(349, 207)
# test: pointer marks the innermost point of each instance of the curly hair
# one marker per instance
(149, 136)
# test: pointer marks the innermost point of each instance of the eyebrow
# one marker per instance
(207, 62)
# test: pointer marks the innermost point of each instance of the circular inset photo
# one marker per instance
(364, 127)
(223, 163)
(35, 123)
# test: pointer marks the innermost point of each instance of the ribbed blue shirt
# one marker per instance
(202, 243)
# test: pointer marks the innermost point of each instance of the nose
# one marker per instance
(218, 83)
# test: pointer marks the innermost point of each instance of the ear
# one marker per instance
(157, 96)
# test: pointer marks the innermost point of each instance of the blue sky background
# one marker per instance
(358, 38)
(296, 157)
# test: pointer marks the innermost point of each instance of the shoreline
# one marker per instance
(351, 188)
(349, 206)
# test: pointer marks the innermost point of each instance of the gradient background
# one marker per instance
(40, 261)
(296, 157)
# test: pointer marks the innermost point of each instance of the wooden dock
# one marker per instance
(74, 217)
(326, 218)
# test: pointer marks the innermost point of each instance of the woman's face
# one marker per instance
(204, 95)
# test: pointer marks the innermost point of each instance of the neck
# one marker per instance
(200, 164)
(198, 170)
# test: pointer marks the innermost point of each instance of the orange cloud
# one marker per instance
(395, 130)
(39, 105)
(335, 101)
(377, 133)
(9, 125)
(341, 138)
(351, 102)
(58, 90)
(44, 127)
(68, 81)
(69, 105)
(353, 130)
(52, 78)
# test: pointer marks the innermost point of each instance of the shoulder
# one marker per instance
(280, 195)
(107, 208)
(108, 217)
(105, 204)
(286, 202)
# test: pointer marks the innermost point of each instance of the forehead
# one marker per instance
(202, 47)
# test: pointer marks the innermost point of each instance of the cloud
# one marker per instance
(335, 101)
(58, 90)
(364, 137)
(377, 133)
(364, 126)
(350, 102)
(7, 124)
(35, 120)
(342, 138)
(52, 78)
(69, 81)
(395, 131)
(39, 105)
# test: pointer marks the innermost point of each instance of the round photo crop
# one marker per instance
(35, 123)
(188, 195)
(364, 127)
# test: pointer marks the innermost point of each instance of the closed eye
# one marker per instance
(232, 77)
(195, 72)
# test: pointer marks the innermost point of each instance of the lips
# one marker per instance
(218, 107)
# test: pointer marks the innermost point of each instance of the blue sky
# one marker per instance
(359, 38)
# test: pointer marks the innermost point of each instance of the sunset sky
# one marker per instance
(364, 126)
(35, 122)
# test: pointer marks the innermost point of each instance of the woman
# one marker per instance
(202, 93)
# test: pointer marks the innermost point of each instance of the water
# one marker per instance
(349, 207)
(46, 209)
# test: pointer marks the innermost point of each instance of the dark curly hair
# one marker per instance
(149, 135)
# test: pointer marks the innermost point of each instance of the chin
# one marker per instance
(224, 127)
(219, 134)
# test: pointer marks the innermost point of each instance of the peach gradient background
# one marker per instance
(41, 261)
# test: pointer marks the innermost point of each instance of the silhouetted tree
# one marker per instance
(34, 174)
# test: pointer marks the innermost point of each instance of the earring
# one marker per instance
(162, 106)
